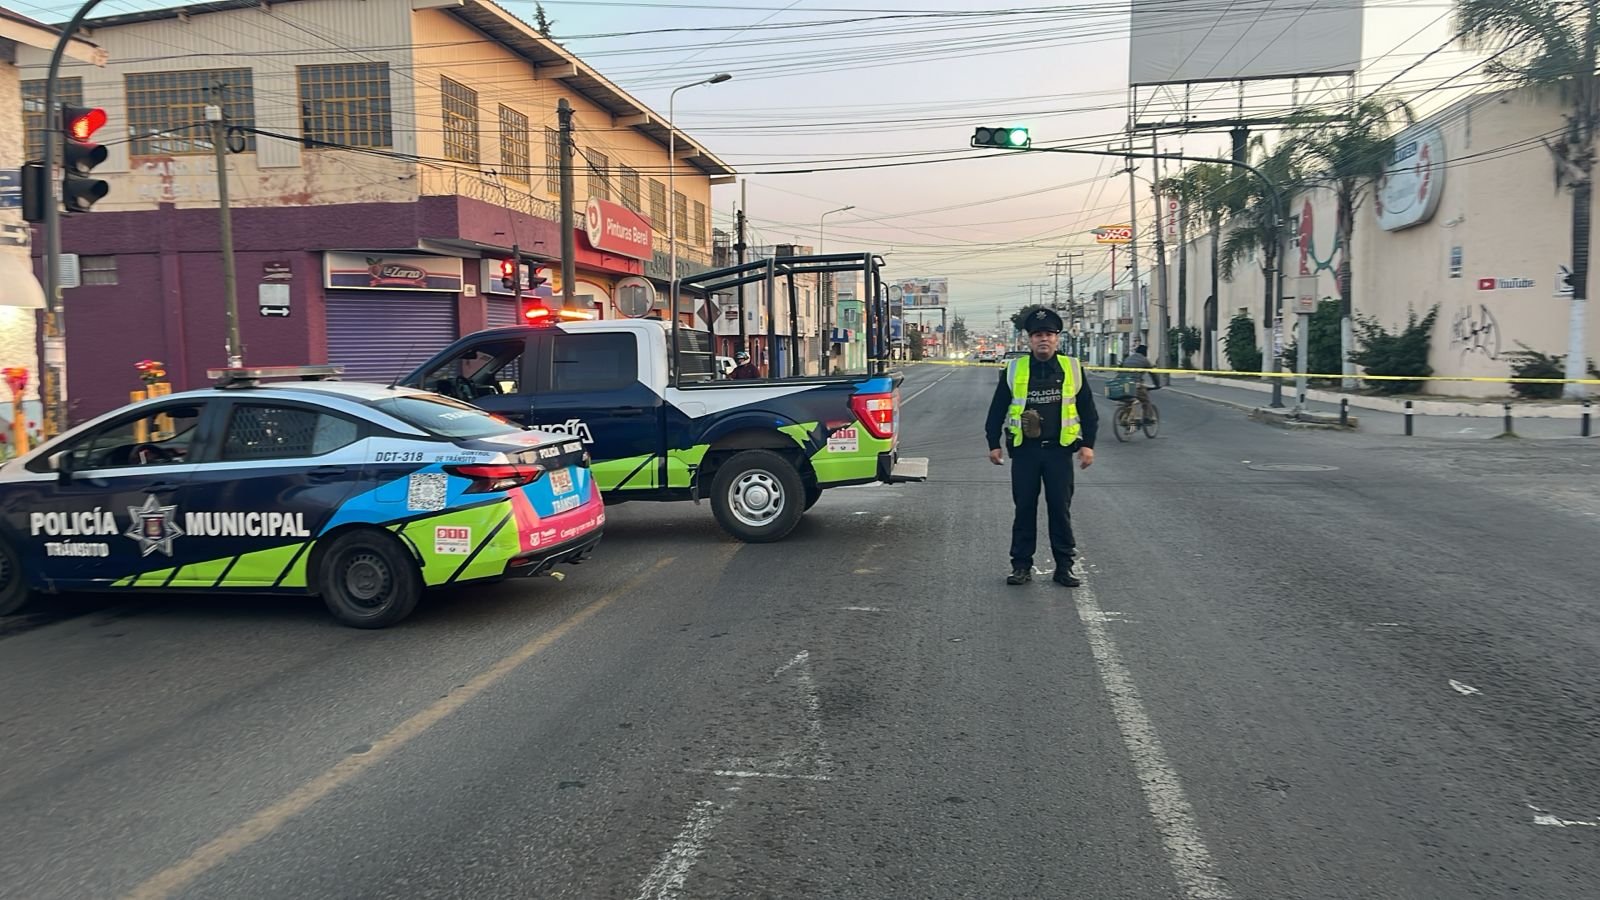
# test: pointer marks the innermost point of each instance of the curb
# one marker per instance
(1242, 407)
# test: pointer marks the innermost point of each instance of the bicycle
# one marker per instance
(1125, 391)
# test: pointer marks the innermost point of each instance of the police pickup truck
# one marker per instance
(665, 425)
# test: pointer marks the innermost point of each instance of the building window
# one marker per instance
(514, 160)
(167, 110)
(71, 92)
(658, 205)
(552, 161)
(680, 215)
(97, 269)
(599, 174)
(628, 187)
(460, 105)
(346, 104)
(699, 224)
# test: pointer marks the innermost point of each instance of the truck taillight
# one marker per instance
(498, 477)
(876, 412)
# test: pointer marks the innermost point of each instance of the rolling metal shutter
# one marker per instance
(502, 311)
(381, 335)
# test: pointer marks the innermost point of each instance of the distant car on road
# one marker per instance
(363, 494)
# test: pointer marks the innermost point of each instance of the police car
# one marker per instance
(364, 494)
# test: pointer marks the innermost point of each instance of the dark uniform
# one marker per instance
(1043, 459)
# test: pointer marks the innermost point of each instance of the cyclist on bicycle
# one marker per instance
(1140, 359)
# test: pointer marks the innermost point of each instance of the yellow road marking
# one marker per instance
(173, 879)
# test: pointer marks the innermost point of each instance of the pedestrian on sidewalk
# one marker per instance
(1044, 408)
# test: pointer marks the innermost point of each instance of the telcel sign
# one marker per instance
(1113, 234)
(1409, 192)
(614, 228)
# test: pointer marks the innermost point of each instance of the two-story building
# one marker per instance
(21, 297)
(384, 158)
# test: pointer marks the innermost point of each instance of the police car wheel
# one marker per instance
(757, 496)
(14, 590)
(368, 580)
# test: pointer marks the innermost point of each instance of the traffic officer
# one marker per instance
(1044, 408)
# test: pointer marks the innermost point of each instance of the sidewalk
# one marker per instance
(1422, 406)
(1379, 422)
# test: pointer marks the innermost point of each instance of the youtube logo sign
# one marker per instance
(1486, 284)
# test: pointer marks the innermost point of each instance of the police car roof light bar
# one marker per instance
(249, 376)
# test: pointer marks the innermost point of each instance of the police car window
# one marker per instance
(484, 370)
(593, 362)
(445, 418)
(277, 432)
(163, 438)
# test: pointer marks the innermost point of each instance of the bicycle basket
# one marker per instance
(1122, 387)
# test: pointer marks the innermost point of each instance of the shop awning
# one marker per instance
(18, 286)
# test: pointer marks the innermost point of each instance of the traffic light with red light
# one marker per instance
(508, 275)
(79, 156)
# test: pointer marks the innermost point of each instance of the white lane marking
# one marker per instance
(1163, 792)
(862, 609)
(799, 658)
(1543, 818)
(1466, 689)
(926, 389)
(1387, 625)
(666, 880)
(746, 773)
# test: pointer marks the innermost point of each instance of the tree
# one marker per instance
(1548, 43)
(1208, 193)
(959, 336)
(542, 22)
(1258, 226)
(1351, 154)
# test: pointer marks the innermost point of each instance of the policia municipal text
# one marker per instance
(1048, 413)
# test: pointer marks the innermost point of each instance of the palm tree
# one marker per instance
(1208, 193)
(1351, 156)
(1545, 43)
(1257, 227)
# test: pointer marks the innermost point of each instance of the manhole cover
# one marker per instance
(1291, 467)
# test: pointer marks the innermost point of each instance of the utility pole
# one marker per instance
(1162, 327)
(230, 285)
(569, 241)
(1133, 250)
(739, 247)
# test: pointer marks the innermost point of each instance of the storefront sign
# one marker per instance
(1113, 234)
(277, 271)
(1408, 194)
(10, 188)
(392, 273)
(617, 229)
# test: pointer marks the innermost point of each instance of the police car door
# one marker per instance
(109, 512)
(588, 386)
(490, 373)
(282, 469)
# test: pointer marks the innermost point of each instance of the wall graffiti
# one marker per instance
(1475, 331)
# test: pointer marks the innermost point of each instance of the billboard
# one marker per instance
(1245, 39)
(1408, 193)
(924, 291)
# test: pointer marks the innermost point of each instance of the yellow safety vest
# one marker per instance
(1017, 372)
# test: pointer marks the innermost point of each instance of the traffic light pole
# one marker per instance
(53, 377)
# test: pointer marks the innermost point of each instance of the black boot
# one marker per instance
(1020, 575)
(1065, 577)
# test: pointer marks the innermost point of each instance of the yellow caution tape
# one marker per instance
(1229, 372)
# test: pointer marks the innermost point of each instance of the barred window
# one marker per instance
(552, 161)
(514, 160)
(628, 188)
(599, 174)
(97, 269)
(699, 223)
(346, 104)
(680, 215)
(460, 105)
(167, 110)
(70, 91)
(658, 205)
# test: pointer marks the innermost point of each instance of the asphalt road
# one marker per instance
(1379, 679)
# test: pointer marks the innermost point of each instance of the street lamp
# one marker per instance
(825, 328)
(672, 193)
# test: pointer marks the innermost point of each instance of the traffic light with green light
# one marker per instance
(1007, 138)
(79, 156)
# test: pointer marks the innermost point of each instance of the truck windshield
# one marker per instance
(445, 418)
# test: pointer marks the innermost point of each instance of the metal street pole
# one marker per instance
(672, 192)
(230, 276)
(825, 290)
(1133, 248)
(569, 241)
(53, 378)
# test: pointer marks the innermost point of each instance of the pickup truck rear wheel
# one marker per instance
(758, 496)
(368, 580)
(14, 590)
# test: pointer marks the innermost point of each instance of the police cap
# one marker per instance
(1042, 319)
